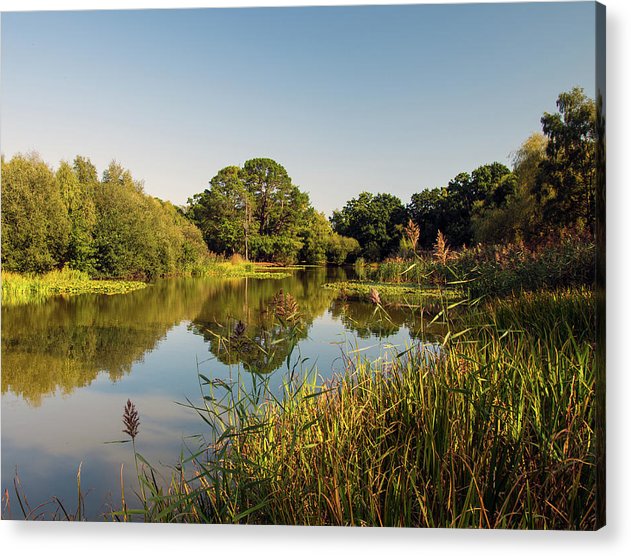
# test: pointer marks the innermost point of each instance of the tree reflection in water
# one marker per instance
(65, 343)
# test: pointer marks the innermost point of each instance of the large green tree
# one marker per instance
(35, 223)
(566, 182)
(375, 221)
(255, 211)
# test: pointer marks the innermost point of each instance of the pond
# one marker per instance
(70, 364)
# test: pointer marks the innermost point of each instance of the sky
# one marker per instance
(363, 98)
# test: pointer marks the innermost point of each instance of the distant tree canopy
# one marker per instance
(110, 227)
(451, 209)
(106, 228)
(375, 221)
(256, 211)
(565, 184)
(551, 186)
(35, 223)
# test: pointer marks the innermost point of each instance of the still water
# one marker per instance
(70, 364)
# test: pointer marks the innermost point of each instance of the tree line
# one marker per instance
(257, 212)
(110, 227)
(106, 227)
(550, 187)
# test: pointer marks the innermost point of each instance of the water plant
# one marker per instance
(494, 430)
(28, 288)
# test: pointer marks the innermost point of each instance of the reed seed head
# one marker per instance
(285, 306)
(131, 420)
(374, 296)
(441, 250)
(413, 233)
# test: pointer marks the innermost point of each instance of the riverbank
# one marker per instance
(18, 288)
(28, 288)
(494, 429)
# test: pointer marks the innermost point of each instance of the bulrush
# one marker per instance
(374, 296)
(131, 420)
(413, 233)
(285, 306)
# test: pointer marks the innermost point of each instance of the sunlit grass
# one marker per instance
(399, 293)
(493, 430)
(28, 288)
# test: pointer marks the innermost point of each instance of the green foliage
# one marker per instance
(257, 212)
(552, 186)
(35, 224)
(341, 249)
(565, 185)
(107, 229)
(375, 221)
(222, 212)
(555, 175)
(78, 199)
(452, 209)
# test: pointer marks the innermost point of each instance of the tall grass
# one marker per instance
(27, 288)
(496, 270)
(494, 429)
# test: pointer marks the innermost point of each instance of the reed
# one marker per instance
(494, 270)
(492, 429)
(28, 288)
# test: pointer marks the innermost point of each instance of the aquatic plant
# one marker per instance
(493, 430)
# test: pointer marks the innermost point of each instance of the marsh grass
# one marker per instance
(494, 429)
(494, 270)
(398, 294)
(240, 269)
(28, 288)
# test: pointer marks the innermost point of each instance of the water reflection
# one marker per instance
(69, 365)
(65, 343)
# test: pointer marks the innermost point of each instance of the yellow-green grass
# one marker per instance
(230, 269)
(494, 429)
(394, 293)
(27, 288)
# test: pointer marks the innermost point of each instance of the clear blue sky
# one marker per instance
(348, 99)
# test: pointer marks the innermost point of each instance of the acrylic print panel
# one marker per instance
(333, 265)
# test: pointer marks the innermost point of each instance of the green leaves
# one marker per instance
(375, 221)
(111, 229)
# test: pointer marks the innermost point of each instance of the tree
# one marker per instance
(428, 209)
(85, 171)
(453, 209)
(341, 249)
(255, 210)
(35, 224)
(279, 205)
(565, 185)
(137, 235)
(79, 204)
(315, 237)
(375, 221)
(520, 217)
(222, 212)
